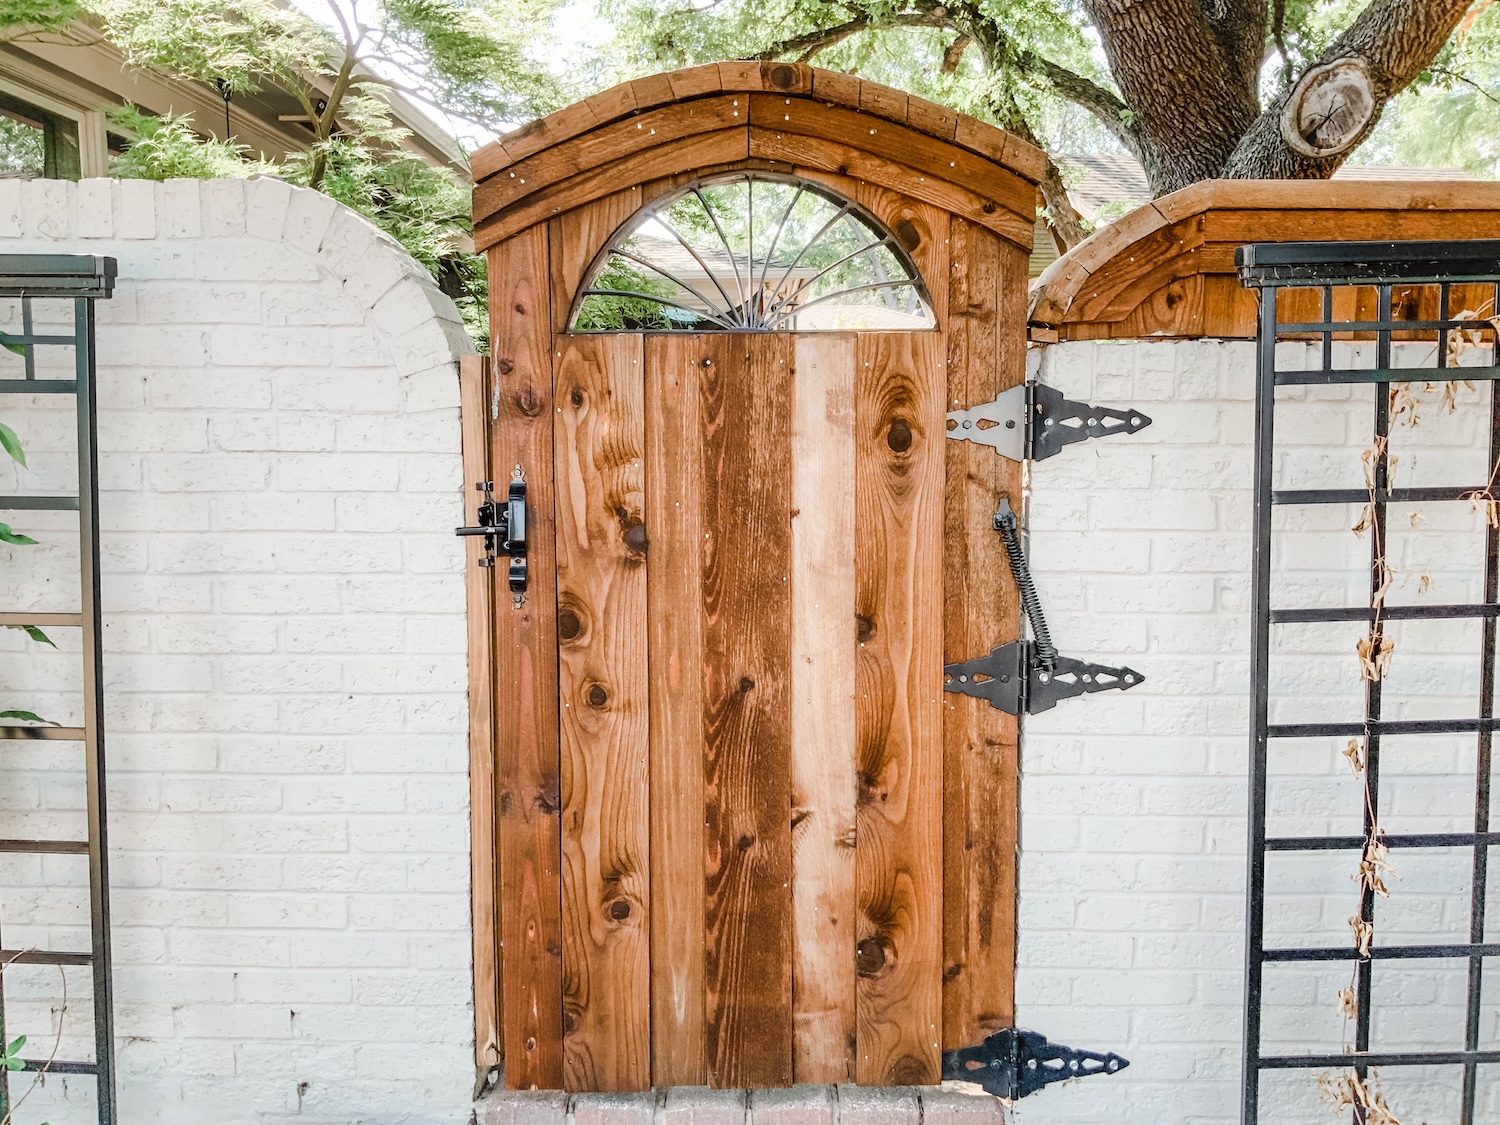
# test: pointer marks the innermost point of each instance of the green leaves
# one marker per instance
(13, 1061)
(28, 717)
(166, 147)
(12, 444)
(9, 536)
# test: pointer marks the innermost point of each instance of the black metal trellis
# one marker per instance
(1378, 266)
(83, 279)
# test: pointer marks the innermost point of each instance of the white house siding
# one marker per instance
(1133, 804)
(284, 632)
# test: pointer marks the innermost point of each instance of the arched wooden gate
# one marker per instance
(739, 835)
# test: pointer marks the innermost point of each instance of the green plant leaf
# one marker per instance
(28, 716)
(35, 634)
(12, 444)
(16, 1044)
(9, 536)
(9, 344)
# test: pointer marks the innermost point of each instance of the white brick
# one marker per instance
(95, 209)
(137, 209)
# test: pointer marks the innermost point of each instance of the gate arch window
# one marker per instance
(752, 252)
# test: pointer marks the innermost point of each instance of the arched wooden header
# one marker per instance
(1167, 269)
(792, 117)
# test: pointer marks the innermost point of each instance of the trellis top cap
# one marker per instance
(56, 275)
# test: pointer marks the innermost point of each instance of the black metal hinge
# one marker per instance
(1013, 1063)
(1033, 422)
(1026, 677)
(504, 530)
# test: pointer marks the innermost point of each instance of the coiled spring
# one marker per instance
(1005, 524)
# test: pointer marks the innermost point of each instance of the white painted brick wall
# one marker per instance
(1133, 805)
(284, 617)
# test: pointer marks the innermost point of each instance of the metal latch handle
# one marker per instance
(504, 530)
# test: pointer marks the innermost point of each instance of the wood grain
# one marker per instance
(822, 682)
(599, 437)
(527, 768)
(577, 237)
(747, 483)
(652, 129)
(986, 354)
(674, 525)
(899, 480)
(474, 410)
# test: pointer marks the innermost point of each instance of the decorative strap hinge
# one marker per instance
(1013, 1063)
(1029, 676)
(504, 529)
(1033, 422)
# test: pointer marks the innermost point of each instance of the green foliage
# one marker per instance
(27, 717)
(19, 17)
(12, 1054)
(34, 633)
(15, 537)
(609, 313)
(166, 147)
(12, 445)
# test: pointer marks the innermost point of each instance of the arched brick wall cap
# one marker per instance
(773, 114)
(1167, 269)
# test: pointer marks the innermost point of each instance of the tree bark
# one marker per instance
(1188, 78)
(1397, 39)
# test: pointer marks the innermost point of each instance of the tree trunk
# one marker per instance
(1396, 39)
(1188, 70)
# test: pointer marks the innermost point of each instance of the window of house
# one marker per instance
(35, 142)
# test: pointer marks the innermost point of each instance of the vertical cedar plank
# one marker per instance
(986, 355)
(474, 404)
(674, 584)
(822, 681)
(526, 672)
(604, 725)
(900, 382)
(746, 415)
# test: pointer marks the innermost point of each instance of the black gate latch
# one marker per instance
(1013, 1063)
(1027, 677)
(504, 530)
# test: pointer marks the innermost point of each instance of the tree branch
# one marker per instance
(1397, 40)
(809, 43)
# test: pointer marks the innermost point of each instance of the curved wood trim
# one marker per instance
(1132, 278)
(789, 79)
(546, 186)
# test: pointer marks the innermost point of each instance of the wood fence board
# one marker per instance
(896, 143)
(674, 527)
(822, 681)
(899, 468)
(980, 610)
(576, 239)
(746, 415)
(798, 154)
(601, 627)
(656, 127)
(474, 410)
(698, 151)
(526, 673)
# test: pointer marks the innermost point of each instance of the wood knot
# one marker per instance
(568, 625)
(505, 366)
(898, 437)
(549, 796)
(908, 235)
(989, 208)
(528, 402)
(597, 696)
(619, 910)
(864, 627)
(784, 77)
(635, 538)
(745, 843)
(520, 308)
(746, 684)
(570, 1025)
(870, 957)
(576, 398)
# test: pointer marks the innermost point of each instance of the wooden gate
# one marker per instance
(728, 827)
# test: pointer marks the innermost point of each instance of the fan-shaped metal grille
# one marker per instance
(752, 253)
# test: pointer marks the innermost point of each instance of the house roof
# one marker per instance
(82, 75)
